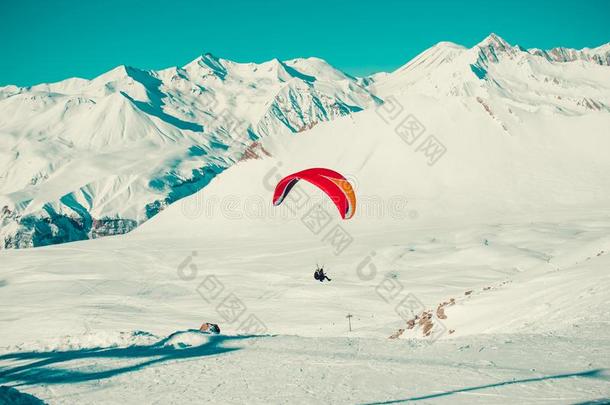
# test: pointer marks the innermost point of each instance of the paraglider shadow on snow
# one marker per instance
(46, 367)
(596, 373)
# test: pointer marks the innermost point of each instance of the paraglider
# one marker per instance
(332, 183)
(319, 274)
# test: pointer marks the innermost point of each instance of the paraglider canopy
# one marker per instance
(332, 183)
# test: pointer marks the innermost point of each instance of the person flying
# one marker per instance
(319, 274)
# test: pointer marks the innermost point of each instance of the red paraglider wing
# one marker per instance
(332, 183)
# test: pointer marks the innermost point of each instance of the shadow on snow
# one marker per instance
(49, 367)
(596, 373)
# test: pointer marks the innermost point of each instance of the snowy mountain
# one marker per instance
(87, 158)
(560, 80)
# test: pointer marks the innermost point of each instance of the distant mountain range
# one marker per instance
(82, 159)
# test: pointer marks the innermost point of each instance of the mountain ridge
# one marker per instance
(87, 158)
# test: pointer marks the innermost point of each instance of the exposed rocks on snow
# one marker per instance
(425, 320)
(599, 55)
(490, 112)
(254, 151)
(209, 328)
(592, 104)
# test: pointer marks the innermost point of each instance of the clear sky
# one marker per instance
(49, 40)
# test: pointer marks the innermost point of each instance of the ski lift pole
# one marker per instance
(349, 321)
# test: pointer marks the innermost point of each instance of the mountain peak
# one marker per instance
(493, 48)
(206, 58)
(209, 62)
(495, 41)
(116, 73)
(448, 44)
(210, 59)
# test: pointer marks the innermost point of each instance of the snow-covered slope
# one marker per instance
(82, 159)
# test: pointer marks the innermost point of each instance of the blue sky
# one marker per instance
(49, 40)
